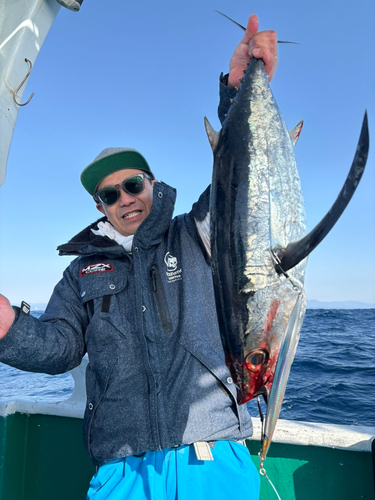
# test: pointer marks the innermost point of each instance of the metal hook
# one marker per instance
(20, 85)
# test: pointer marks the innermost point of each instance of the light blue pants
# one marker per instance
(176, 474)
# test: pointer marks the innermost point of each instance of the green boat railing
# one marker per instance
(42, 456)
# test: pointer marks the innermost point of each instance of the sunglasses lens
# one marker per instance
(108, 196)
(134, 185)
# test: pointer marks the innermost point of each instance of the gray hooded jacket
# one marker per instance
(156, 375)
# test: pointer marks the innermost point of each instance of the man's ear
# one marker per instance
(100, 208)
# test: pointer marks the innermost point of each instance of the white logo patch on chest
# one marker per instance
(172, 272)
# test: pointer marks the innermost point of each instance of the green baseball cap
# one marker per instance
(111, 160)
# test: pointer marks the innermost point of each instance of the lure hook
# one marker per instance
(243, 27)
(20, 85)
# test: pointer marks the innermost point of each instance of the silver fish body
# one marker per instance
(257, 209)
(258, 244)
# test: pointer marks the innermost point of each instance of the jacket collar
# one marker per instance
(152, 229)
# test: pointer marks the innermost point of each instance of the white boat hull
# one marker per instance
(24, 25)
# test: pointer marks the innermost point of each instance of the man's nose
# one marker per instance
(125, 198)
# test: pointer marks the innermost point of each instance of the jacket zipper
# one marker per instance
(160, 299)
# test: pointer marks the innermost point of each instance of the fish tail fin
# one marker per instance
(295, 252)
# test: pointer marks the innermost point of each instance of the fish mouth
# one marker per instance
(263, 391)
(243, 397)
(250, 375)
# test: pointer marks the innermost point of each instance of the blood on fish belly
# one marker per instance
(271, 315)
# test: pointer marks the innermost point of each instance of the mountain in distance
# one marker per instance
(38, 306)
(345, 304)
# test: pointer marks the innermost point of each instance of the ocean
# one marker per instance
(332, 379)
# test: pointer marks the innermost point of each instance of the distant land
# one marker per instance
(346, 304)
(38, 306)
(311, 304)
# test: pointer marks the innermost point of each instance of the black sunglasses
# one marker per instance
(132, 185)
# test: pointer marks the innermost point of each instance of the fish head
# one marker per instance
(269, 314)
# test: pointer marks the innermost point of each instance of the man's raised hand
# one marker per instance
(261, 45)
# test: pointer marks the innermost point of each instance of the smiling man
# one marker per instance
(132, 207)
(117, 181)
(162, 419)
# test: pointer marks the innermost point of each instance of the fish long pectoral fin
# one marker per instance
(295, 252)
(212, 135)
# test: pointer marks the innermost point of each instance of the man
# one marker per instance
(161, 419)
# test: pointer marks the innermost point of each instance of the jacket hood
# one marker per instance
(149, 233)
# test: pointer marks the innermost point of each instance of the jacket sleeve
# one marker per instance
(226, 94)
(54, 343)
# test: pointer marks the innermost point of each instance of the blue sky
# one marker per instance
(144, 75)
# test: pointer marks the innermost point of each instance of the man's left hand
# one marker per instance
(261, 45)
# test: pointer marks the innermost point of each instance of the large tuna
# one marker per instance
(258, 241)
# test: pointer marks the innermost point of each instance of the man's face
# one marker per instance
(127, 214)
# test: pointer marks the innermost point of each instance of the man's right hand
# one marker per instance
(7, 316)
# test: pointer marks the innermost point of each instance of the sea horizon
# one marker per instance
(330, 381)
(311, 304)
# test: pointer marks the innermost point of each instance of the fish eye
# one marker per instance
(256, 359)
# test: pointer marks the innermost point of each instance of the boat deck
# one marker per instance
(43, 457)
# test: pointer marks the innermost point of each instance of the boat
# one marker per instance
(42, 455)
(24, 26)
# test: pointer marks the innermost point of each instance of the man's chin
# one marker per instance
(129, 228)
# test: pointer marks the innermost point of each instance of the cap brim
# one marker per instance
(94, 173)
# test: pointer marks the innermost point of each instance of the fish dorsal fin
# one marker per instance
(297, 251)
(212, 135)
(295, 132)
